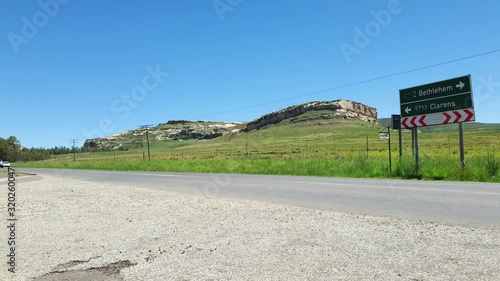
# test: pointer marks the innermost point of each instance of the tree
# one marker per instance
(4, 149)
(14, 145)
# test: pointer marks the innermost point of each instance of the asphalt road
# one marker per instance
(454, 202)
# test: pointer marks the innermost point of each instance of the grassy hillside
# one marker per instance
(314, 144)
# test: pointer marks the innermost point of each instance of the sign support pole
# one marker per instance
(389, 141)
(400, 145)
(413, 142)
(417, 156)
(461, 137)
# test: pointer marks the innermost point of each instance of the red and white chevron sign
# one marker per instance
(448, 117)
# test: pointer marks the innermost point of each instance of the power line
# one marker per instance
(147, 137)
(74, 141)
(356, 83)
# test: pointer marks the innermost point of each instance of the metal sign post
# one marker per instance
(461, 138)
(417, 155)
(389, 144)
(412, 142)
(400, 144)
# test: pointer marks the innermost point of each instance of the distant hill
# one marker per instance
(177, 133)
(174, 131)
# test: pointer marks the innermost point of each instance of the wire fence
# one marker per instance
(446, 145)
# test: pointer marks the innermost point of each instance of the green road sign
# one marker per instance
(448, 95)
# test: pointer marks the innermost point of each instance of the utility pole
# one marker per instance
(147, 138)
(74, 141)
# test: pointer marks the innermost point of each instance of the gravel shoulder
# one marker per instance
(82, 230)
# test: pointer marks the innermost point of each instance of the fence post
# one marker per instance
(367, 147)
(307, 150)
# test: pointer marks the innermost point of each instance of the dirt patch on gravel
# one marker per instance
(110, 272)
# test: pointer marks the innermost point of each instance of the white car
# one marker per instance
(4, 164)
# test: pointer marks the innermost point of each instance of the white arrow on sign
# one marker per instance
(460, 85)
(407, 110)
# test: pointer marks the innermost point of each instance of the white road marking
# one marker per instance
(405, 187)
(147, 174)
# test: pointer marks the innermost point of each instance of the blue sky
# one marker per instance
(77, 69)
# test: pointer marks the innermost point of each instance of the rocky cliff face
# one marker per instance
(186, 130)
(347, 109)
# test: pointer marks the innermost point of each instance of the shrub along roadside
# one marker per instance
(492, 164)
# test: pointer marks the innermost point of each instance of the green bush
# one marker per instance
(405, 169)
(491, 164)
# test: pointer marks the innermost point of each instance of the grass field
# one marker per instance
(324, 147)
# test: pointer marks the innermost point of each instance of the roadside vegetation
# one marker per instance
(334, 148)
